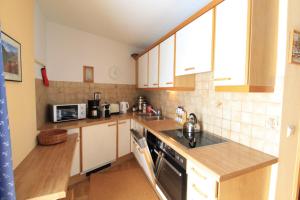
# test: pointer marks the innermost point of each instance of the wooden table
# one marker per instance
(44, 173)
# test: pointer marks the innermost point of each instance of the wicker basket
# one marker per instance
(52, 137)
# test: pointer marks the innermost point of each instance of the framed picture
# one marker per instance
(88, 74)
(11, 50)
(295, 47)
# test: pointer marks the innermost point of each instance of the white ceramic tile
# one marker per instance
(260, 108)
(246, 118)
(259, 120)
(225, 124)
(246, 129)
(235, 126)
(236, 106)
(227, 114)
(245, 140)
(258, 132)
(234, 136)
(247, 106)
(236, 116)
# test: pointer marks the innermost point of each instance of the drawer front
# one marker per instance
(200, 183)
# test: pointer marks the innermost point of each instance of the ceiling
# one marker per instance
(135, 22)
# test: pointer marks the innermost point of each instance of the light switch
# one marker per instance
(290, 130)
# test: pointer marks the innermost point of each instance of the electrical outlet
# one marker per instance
(273, 123)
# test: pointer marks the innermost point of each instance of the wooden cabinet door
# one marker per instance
(166, 62)
(194, 46)
(153, 67)
(143, 71)
(123, 137)
(75, 169)
(98, 145)
(231, 40)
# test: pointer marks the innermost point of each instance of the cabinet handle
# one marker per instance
(199, 192)
(155, 84)
(111, 124)
(146, 85)
(122, 123)
(169, 83)
(222, 79)
(189, 69)
(200, 175)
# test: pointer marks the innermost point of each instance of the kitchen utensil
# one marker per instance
(124, 106)
(191, 127)
(114, 108)
(140, 101)
(105, 110)
(144, 107)
(93, 109)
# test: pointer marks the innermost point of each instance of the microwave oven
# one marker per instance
(67, 112)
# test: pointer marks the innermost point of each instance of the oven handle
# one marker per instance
(169, 164)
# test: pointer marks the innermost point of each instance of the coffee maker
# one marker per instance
(105, 110)
(94, 109)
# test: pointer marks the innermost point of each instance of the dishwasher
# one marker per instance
(142, 154)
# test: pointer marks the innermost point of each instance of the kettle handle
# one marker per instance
(127, 105)
(194, 118)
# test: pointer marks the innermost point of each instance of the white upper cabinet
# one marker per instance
(153, 67)
(194, 46)
(166, 62)
(231, 43)
(143, 71)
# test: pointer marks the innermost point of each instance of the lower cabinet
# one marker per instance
(200, 185)
(123, 137)
(75, 169)
(98, 145)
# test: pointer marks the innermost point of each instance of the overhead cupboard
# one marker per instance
(245, 45)
(173, 63)
(236, 39)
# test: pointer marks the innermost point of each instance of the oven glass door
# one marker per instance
(171, 178)
(65, 113)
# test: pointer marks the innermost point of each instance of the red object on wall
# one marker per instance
(45, 78)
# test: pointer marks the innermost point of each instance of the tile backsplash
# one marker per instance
(252, 119)
(60, 92)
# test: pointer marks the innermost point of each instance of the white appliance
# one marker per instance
(124, 106)
(142, 154)
(114, 108)
(67, 112)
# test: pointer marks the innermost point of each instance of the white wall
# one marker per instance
(68, 50)
(39, 39)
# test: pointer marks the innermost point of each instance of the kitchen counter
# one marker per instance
(44, 173)
(224, 161)
(84, 122)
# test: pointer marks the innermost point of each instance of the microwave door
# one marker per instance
(67, 113)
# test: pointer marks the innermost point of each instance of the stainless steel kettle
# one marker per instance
(191, 127)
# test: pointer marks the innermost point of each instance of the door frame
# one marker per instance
(296, 177)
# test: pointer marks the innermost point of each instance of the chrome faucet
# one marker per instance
(157, 112)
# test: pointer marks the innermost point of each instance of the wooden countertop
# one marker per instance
(84, 122)
(223, 161)
(44, 173)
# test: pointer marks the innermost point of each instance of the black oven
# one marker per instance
(170, 169)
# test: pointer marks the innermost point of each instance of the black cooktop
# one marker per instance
(200, 139)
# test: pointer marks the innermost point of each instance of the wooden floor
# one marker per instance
(124, 180)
